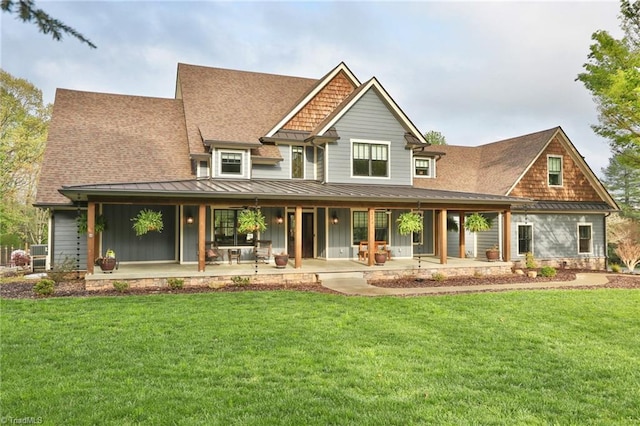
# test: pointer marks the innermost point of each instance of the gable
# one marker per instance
(576, 185)
(322, 104)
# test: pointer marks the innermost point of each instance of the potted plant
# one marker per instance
(100, 224)
(380, 257)
(493, 253)
(147, 220)
(281, 260)
(251, 220)
(409, 222)
(107, 263)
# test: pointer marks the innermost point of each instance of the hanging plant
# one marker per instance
(477, 223)
(251, 220)
(452, 225)
(409, 222)
(99, 226)
(147, 220)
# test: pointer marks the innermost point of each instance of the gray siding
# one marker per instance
(153, 246)
(369, 119)
(190, 233)
(309, 169)
(67, 243)
(400, 244)
(275, 231)
(556, 235)
(280, 170)
(320, 164)
(340, 236)
(321, 233)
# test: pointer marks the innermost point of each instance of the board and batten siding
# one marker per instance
(369, 119)
(67, 244)
(556, 235)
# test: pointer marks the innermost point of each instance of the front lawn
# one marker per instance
(535, 357)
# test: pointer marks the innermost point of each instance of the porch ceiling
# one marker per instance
(283, 190)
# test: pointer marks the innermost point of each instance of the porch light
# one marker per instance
(279, 219)
(334, 219)
(189, 220)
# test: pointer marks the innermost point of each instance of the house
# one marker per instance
(330, 162)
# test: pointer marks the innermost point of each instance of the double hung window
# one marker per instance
(525, 239)
(231, 163)
(361, 226)
(370, 159)
(554, 166)
(584, 238)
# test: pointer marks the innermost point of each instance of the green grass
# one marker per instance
(550, 357)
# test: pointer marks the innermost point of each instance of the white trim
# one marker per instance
(590, 225)
(373, 83)
(370, 142)
(341, 67)
(518, 224)
(561, 184)
(198, 175)
(243, 163)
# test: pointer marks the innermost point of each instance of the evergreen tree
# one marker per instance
(623, 182)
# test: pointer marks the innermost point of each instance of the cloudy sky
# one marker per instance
(476, 71)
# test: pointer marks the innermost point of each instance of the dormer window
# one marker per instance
(297, 162)
(203, 169)
(230, 163)
(554, 168)
(422, 167)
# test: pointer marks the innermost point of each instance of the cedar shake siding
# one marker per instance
(323, 104)
(575, 185)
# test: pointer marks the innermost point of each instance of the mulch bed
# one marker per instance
(23, 289)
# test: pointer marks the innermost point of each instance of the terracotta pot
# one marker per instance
(380, 258)
(108, 264)
(493, 255)
(281, 260)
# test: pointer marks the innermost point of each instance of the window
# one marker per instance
(423, 167)
(554, 165)
(525, 239)
(230, 163)
(370, 159)
(225, 224)
(361, 226)
(584, 238)
(297, 162)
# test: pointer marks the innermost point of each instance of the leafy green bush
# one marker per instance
(121, 286)
(548, 271)
(238, 280)
(530, 261)
(175, 283)
(439, 276)
(615, 268)
(44, 287)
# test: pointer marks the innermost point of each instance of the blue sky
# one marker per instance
(476, 71)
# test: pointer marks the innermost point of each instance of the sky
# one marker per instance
(477, 72)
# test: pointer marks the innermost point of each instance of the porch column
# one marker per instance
(506, 236)
(371, 236)
(91, 227)
(202, 224)
(442, 236)
(461, 235)
(298, 237)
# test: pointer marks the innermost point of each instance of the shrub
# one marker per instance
(439, 276)
(530, 261)
(615, 268)
(238, 280)
(20, 258)
(175, 283)
(548, 271)
(44, 287)
(61, 270)
(121, 286)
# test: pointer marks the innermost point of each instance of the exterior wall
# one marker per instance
(246, 163)
(320, 164)
(427, 238)
(555, 237)
(400, 245)
(575, 185)
(369, 119)
(153, 246)
(275, 231)
(280, 170)
(190, 233)
(321, 232)
(66, 242)
(309, 163)
(340, 236)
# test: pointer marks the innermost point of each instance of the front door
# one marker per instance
(307, 235)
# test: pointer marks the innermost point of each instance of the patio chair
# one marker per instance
(212, 255)
(262, 250)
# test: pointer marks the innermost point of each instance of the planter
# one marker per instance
(493, 255)
(380, 258)
(281, 260)
(107, 264)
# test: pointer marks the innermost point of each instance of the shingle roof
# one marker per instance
(96, 137)
(288, 190)
(234, 106)
(492, 168)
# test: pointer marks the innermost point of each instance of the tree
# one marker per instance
(435, 138)
(613, 78)
(623, 182)
(27, 12)
(23, 132)
(624, 233)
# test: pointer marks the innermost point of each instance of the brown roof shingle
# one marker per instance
(97, 137)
